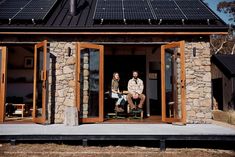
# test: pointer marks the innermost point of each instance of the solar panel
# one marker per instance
(152, 9)
(26, 9)
(137, 10)
(195, 10)
(109, 10)
(167, 10)
(10, 8)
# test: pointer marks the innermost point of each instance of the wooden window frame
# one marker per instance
(79, 47)
(181, 45)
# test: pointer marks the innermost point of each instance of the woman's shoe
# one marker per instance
(118, 109)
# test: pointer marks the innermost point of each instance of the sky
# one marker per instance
(213, 5)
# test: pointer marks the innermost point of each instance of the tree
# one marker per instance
(227, 8)
(220, 43)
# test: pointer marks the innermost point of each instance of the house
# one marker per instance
(223, 81)
(57, 58)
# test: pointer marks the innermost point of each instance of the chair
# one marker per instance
(115, 114)
(139, 112)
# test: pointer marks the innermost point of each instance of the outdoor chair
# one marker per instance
(137, 114)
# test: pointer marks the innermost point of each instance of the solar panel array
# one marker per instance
(152, 10)
(25, 9)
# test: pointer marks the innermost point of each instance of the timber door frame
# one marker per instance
(181, 45)
(79, 47)
(41, 119)
(3, 83)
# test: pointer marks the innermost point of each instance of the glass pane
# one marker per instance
(39, 82)
(173, 83)
(89, 82)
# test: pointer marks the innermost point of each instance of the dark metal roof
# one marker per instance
(61, 20)
(226, 63)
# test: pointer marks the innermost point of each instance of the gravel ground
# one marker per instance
(62, 150)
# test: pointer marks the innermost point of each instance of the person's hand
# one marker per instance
(135, 95)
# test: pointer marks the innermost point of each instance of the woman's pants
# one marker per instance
(120, 97)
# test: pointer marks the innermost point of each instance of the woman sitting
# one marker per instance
(116, 93)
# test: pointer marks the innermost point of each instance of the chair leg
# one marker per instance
(142, 114)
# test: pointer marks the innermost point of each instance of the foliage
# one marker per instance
(227, 8)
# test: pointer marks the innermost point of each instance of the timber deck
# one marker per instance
(138, 132)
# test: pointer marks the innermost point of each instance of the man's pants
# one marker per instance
(130, 101)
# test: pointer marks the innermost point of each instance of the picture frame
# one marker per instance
(28, 62)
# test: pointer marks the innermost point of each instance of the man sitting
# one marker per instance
(135, 89)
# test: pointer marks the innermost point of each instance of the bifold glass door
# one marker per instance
(40, 82)
(173, 82)
(89, 82)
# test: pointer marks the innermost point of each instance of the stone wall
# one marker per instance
(198, 82)
(61, 93)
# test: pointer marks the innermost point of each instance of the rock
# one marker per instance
(207, 77)
(85, 107)
(220, 116)
(71, 61)
(86, 66)
(71, 83)
(205, 102)
(69, 102)
(67, 70)
(200, 115)
(85, 99)
(85, 73)
(232, 117)
(61, 77)
(85, 60)
(71, 116)
(85, 85)
(208, 115)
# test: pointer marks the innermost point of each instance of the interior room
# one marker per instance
(19, 86)
(124, 59)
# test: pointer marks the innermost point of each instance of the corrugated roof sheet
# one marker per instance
(61, 20)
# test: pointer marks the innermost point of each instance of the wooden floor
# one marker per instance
(147, 120)
(19, 120)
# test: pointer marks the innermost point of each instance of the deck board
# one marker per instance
(115, 129)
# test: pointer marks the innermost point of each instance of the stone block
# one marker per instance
(71, 116)
(69, 102)
(200, 115)
(232, 117)
(219, 115)
(205, 103)
(85, 66)
(85, 73)
(85, 60)
(67, 70)
(71, 61)
(71, 83)
(85, 85)
(85, 99)
(85, 107)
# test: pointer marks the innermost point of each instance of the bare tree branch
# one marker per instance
(233, 49)
(221, 46)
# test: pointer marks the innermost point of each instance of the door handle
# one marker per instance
(42, 73)
(3, 78)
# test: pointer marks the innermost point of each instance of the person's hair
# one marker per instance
(115, 74)
(135, 71)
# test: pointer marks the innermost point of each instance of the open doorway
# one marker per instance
(124, 59)
(19, 84)
(160, 66)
